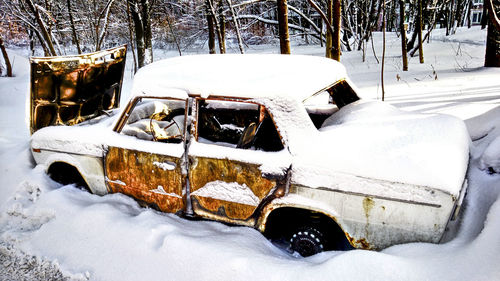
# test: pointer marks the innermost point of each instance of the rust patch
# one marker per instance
(361, 243)
(368, 205)
(153, 179)
(205, 170)
(71, 89)
(223, 208)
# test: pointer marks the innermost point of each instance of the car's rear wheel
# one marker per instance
(304, 232)
(307, 241)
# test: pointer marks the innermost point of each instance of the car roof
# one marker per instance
(238, 76)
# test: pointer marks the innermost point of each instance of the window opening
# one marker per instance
(324, 104)
(237, 124)
(158, 120)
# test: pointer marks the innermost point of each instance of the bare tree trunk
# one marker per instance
(46, 50)
(131, 37)
(321, 34)
(373, 49)
(142, 26)
(411, 44)
(336, 35)
(104, 16)
(73, 29)
(329, 34)
(211, 31)
(383, 50)
(218, 28)
(484, 18)
(148, 34)
(6, 58)
(236, 26)
(419, 26)
(451, 17)
(32, 41)
(493, 7)
(139, 34)
(222, 28)
(42, 26)
(346, 31)
(283, 26)
(469, 8)
(403, 34)
(492, 57)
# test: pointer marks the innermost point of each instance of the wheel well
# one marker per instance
(283, 221)
(65, 173)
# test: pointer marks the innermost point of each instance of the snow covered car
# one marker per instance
(279, 143)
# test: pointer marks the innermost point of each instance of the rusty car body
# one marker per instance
(228, 145)
(71, 89)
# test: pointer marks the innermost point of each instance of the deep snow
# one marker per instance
(49, 231)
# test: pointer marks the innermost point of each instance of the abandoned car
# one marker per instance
(279, 143)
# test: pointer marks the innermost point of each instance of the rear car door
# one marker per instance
(147, 160)
(237, 161)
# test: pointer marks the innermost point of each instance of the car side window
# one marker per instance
(160, 120)
(237, 124)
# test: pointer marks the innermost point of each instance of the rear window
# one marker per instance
(324, 104)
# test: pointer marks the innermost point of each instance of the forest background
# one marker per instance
(68, 27)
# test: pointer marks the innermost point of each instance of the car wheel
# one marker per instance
(307, 241)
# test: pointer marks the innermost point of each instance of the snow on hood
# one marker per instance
(375, 140)
(86, 138)
(92, 138)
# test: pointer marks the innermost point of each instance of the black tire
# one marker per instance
(307, 241)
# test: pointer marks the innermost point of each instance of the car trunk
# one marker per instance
(71, 89)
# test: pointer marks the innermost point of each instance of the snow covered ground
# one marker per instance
(54, 232)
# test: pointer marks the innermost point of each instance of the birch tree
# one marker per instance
(139, 10)
(236, 26)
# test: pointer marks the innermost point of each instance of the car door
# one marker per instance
(230, 175)
(146, 159)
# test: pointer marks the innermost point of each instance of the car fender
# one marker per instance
(89, 167)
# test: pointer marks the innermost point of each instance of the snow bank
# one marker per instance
(485, 129)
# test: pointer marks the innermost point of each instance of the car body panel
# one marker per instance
(153, 179)
(90, 167)
(207, 176)
(372, 222)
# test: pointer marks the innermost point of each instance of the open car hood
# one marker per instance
(71, 89)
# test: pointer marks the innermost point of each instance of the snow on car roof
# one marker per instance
(239, 76)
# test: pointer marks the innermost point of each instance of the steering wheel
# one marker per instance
(248, 136)
(163, 134)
